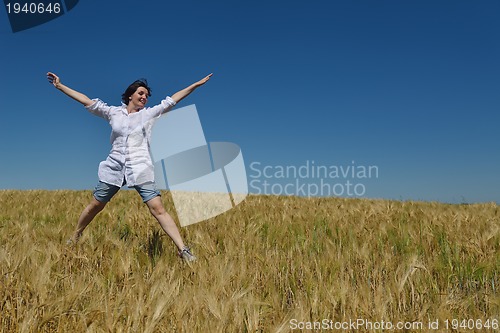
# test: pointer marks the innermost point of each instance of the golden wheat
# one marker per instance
(272, 264)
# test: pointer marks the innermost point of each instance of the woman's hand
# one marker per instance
(180, 95)
(204, 80)
(56, 82)
(54, 79)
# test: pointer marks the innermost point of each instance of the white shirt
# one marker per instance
(129, 157)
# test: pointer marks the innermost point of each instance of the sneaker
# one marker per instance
(186, 254)
(72, 241)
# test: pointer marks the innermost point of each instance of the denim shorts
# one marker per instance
(103, 192)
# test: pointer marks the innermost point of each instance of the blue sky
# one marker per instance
(412, 87)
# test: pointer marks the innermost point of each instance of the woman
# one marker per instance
(129, 161)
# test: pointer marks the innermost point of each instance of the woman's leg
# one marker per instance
(104, 192)
(88, 214)
(166, 221)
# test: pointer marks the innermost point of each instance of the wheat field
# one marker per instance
(272, 264)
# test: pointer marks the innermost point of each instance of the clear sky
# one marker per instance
(411, 87)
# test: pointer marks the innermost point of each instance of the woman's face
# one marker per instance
(140, 97)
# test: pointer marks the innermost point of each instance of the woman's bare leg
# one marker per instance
(166, 221)
(88, 214)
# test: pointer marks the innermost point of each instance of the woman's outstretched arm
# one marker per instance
(77, 96)
(180, 95)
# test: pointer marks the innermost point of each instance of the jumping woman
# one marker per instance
(129, 162)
